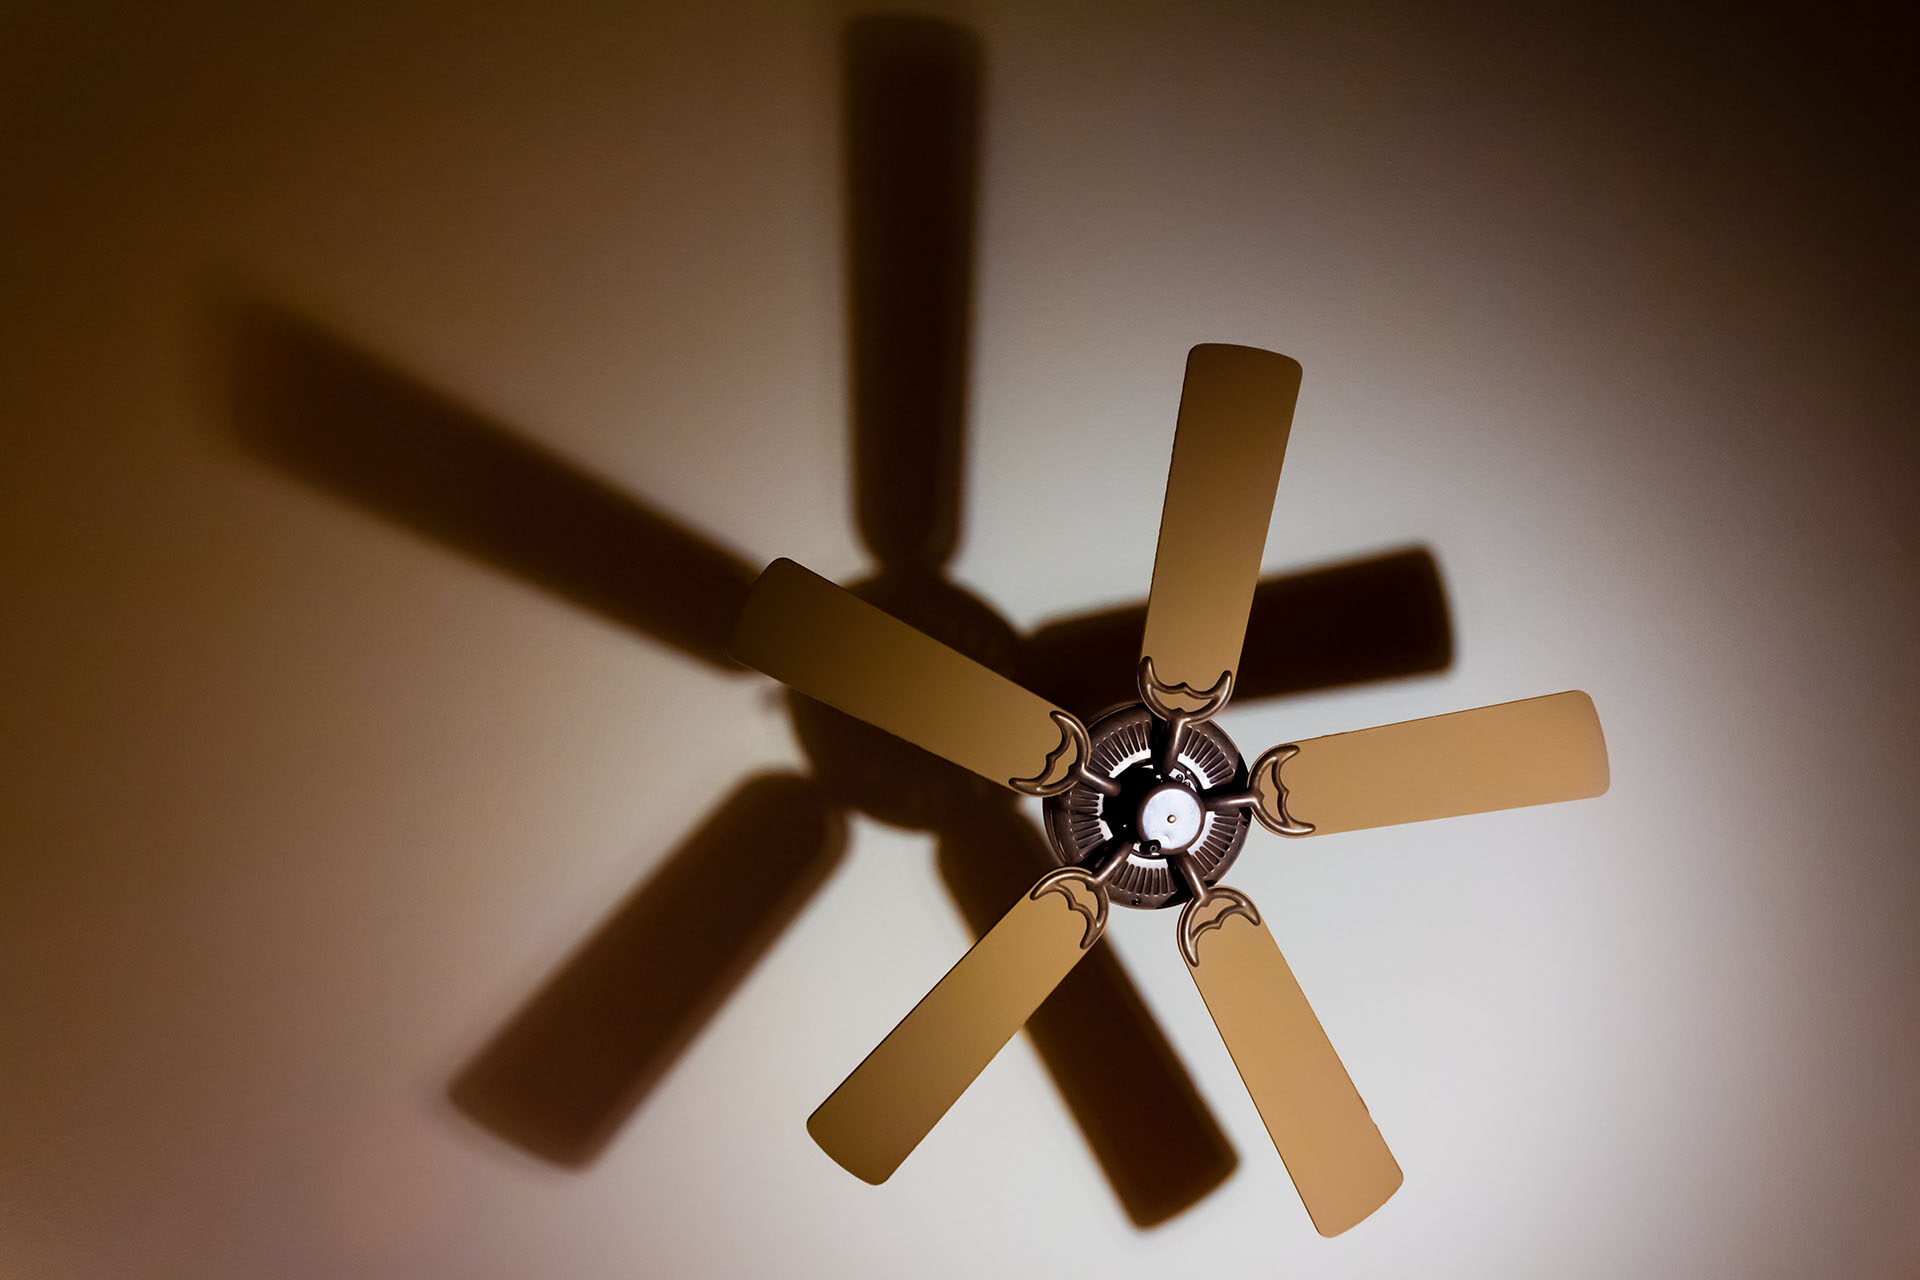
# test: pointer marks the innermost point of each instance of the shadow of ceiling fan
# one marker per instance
(566, 1069)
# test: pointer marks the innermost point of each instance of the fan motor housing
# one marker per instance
(1083, 824)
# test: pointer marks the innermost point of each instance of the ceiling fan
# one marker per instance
(561, 1076)
(1150, 804)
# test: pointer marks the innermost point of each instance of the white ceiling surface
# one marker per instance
(301, 806)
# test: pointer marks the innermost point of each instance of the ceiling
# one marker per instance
(317, 777)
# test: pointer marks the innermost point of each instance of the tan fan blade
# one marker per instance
(1535, 751)
(1235, 412)
(892, 1100)
(829, 644)
(1332, 1149)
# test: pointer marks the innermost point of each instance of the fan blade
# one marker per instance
(1535, 751)
(892, 1100)
(1235, 412)
(1332, 1149)
(829, 644)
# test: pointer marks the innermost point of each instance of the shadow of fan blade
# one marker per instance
(1348, 623)
(573, 1063)
(339, 419)
(1146, 1123)
(912, 90)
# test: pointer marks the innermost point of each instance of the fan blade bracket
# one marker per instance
(1268, 793)
(1066, 764)
(1170, 700)
(1209, 909)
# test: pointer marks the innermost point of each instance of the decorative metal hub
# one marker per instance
(1155, 810)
